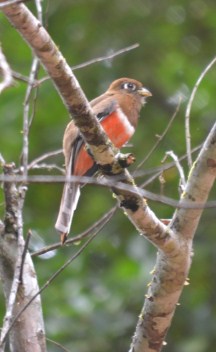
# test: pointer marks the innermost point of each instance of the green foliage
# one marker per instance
(94, 304)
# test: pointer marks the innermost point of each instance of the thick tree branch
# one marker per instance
(172, 266)
(200, 182)
(66, 83)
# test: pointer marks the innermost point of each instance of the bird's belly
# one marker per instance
(118, 129)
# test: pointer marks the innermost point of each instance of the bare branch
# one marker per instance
(98, 224)
(9, 2)
(64, 80)
(43, 157)
(112, 182)
(97, 59)
(52, 278)
(58, 345)
(18, 76)
(188, 110)
(157, 170)
(25, 249)
(16, 268)
(179, 168)
(11, 249)
(111, 56)
(14, 224)
(172, 266)
(13, 293)
(106, 57)
(39, 10)
(200, 181)
(26, 119)
(161, 137)
(48, 167)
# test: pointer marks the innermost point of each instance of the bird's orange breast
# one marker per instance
(119, 131)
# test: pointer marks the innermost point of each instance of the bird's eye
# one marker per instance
(129, 86)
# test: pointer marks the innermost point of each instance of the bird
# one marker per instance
(118, 110)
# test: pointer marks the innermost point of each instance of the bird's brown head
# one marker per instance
(131, 96)
(129, 86)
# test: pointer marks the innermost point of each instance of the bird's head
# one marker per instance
(130, 86)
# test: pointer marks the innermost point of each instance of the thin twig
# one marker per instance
(34, 101)
(159, 170)
(27, 120)
(9, 2)
(188, 110)
(39, 10)
(110, 182)
(98, 224)
(19, 77)
(164, 167)
(36, 82)
(97, 59)
(25, 249)
(111, 212)
(49, 167)
(30, 87)
(106, 57)
(162, 135)
(58, 345)
(52, 278)
(6, 72)
(179, 168)
(43, 157)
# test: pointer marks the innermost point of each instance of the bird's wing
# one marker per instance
(104, 105)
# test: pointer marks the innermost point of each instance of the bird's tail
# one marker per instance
(70, 197)
(69, 201)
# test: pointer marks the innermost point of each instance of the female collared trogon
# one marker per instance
(118, 111)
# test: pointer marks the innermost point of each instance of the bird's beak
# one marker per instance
(144, 92)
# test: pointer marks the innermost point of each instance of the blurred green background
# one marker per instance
(94, 304)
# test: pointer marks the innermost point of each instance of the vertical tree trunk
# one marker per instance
(27, 333)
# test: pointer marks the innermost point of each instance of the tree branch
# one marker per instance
(172, 266)
(188, 110)
(26, 118)
(30, 327)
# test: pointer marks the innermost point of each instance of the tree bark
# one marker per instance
(27, 332)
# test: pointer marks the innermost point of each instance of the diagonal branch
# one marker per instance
(73, 97)
(188, 110)
(200, 181)
(171, 270)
